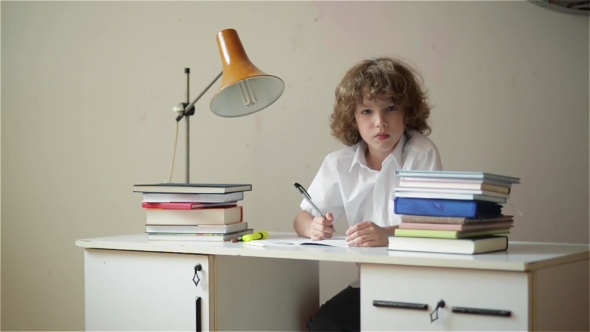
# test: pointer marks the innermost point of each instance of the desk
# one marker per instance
(134, 284)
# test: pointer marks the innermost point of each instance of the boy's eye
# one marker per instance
(367, 111)
(391, 108)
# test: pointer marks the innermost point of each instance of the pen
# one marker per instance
(308, 198)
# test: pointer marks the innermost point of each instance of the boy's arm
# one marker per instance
(302, 223)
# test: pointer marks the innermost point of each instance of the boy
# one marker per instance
(380, 114)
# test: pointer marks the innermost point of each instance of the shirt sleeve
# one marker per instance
(427, 161)
(325, 191)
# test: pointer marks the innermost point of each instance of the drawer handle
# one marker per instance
(198, 268)
(478, 311)
(434, 313)
(400, 305)
(198, 327)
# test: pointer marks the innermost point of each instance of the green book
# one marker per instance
(448, 234)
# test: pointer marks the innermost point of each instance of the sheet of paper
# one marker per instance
(290, 241)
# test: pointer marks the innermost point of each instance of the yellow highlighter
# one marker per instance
(254, 236)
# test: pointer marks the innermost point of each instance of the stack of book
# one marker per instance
(452, 212)
(193, 212)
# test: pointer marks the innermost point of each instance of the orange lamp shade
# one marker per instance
(244, 89)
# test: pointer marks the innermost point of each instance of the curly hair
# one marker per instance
(381, 76)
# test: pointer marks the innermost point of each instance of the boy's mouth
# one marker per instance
(382, 136)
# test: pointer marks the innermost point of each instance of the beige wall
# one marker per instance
(88, 91)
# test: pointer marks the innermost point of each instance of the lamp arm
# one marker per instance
(189, 109)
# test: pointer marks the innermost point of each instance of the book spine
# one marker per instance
(434, 207)
(445, 208)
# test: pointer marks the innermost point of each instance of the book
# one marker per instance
(458, 227)
(191, 188)
(443, 181)
(197, 229)
(185, 205)
(195, 198)
(446, 208)
(406, 218)
(458, 246)
(206, 237)
(457, 175)
(213, 216)
(452, 191)
(465, 197)
(448, 234)
(452, 184)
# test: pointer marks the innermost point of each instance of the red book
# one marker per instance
(186, 205)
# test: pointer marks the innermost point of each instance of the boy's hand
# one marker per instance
(367, 234)
(321, 228)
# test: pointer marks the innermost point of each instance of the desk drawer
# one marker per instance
(146, 291)
(402, 298)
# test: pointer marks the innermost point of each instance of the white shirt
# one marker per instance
(345, 184)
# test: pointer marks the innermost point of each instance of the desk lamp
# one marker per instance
(244, 88)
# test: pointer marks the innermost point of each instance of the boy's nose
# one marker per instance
(380, 122)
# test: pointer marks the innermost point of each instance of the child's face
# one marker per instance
(380, 123)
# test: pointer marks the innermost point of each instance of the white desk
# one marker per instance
(137, 285)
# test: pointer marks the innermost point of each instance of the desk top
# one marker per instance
(520, 256)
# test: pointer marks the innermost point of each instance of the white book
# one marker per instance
(210, 216)
(191, 188)
(198, 237)
(449, 246)
(467, 197)
(195, 198)
(453, 184)
(196, 229)
(450, 181)
(457, 175)
(452, 191)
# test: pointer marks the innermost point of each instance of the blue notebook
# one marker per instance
(446, 208)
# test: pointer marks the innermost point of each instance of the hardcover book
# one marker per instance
(185, 205)
(212, 216)
(197, 229)
(448, 234)
(209, 237)
(462, 246)
(458, 175)
(195, 198)
(467, 227)
(418, 219)
(191, 188)
(446, 208)
(454, 184)
(451, 196)
(452, 191)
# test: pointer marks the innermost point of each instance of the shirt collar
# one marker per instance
(396, 154)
